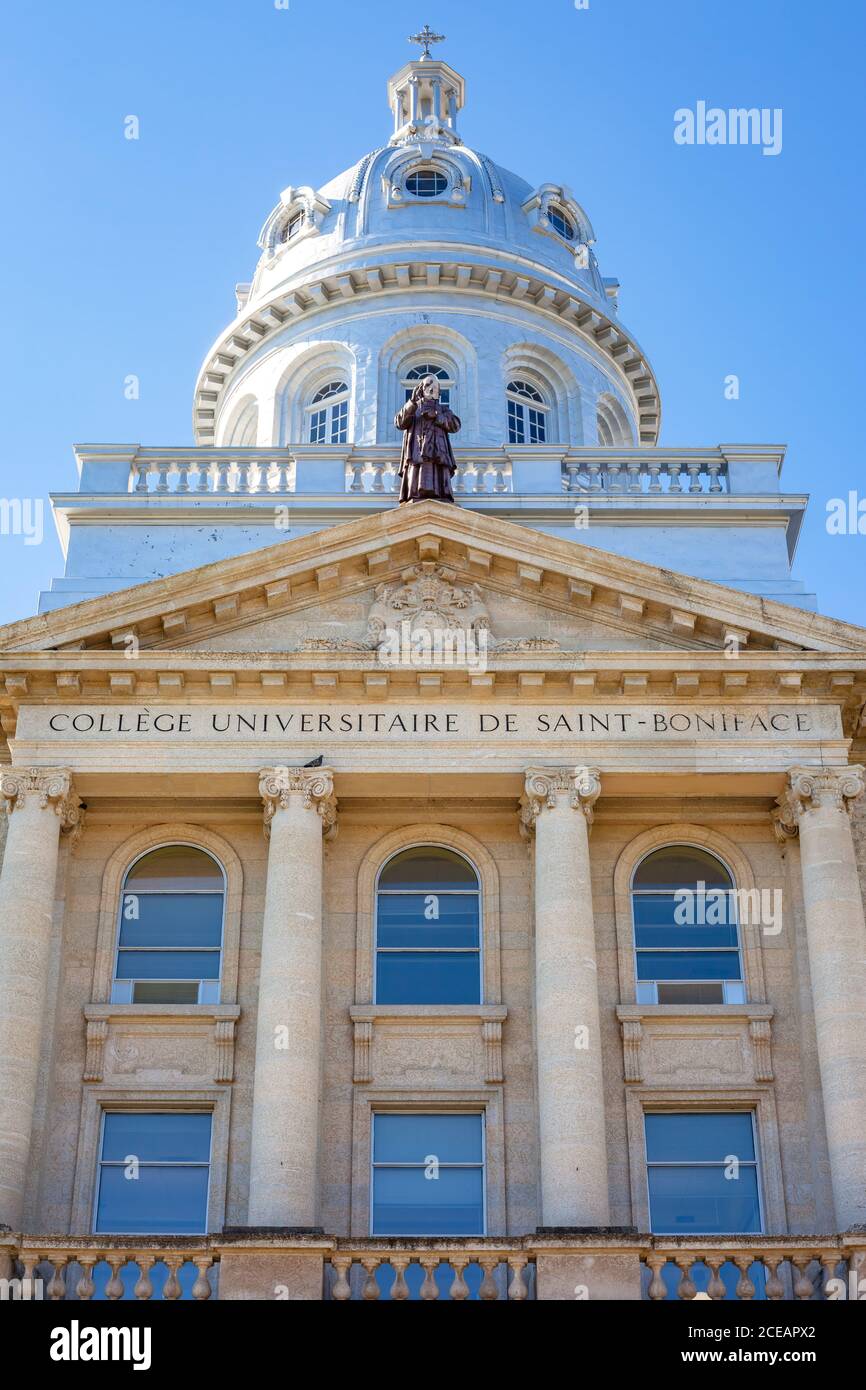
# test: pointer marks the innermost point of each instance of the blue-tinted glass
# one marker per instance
(428, 868)
(171, 919)
(422, 977)
(168, 965)
(703, 1200)
(699, 1138)
(515, 423)
(180, 1138)
(407, 1203)
(661, 921)
(176, 867)
(701, 965)
(410, 1138)
(681, 866)
(402, 919)
(171, 1201)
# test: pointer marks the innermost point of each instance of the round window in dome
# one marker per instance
(560, 223)
(426, 183)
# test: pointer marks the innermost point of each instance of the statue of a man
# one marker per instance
(427, 461)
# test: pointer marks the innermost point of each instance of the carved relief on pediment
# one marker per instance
(427, 599)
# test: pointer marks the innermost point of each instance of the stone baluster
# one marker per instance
(557, 806)
(357, 484)
(489, 1290)
(595, 478)
(114, 1287)
(299, 808)
(399, 1288)
(41, 805)
(713, 469)
(86, 1286)
(283, 475)
(429, 1290)
(570, 480)
(774, 1288)
(201, 1289)
(518, 1289)
(203, 481)
(243, 475)
(222, 475)
(459, 483)
(500, 476)
(163, 468)
(655, 484)
(378, 476)
(371, 1292)
(687, 1288)
(614, 477)
(142, 468)
(803, 1287)
(716, 1287)
(674, 475)
(657, 1289)
(182, 475)
(459, 1290)
(57, 1282)
(745, 1289)
(143, 1289)
(341, 1291)
(480, 477)
(695, 477)
(817, 804)
(634, 478)
(171, 1289)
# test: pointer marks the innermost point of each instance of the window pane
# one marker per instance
(317, 426)
(684, 1200)
(515, 423)
(537, 427)
(402, 920)
(681, 866)
(701, 1138)
(171, 1201)
(176, 867)
(662, 921)
(428, 978)
(179, 1138)
(685, 965)
(171, 919)
(426, 183)
(690, 993)
(168, 965)
(407, 1203)
(410, 1138)
(165, 992)
(428, 868)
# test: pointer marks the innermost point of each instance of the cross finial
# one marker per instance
(425, 37)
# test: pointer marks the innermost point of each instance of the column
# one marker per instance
(817, 802)
(413, 100)
(299, 810)
(557, 805)
(40, 803)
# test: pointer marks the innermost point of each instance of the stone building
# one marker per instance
(431, 900)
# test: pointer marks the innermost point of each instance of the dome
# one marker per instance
(426, 252)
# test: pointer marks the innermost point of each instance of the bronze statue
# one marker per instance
(427, 462)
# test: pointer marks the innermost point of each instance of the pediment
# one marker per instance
(533, 593)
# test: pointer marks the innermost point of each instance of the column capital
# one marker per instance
(813, 788)
(51, 786)
(544, 787)
(314, 785)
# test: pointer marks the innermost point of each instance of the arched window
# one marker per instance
(170, 928)
(329, 414)
(426, 183)
(418, 373)
(428, 929)
(527, 413)
(561, 223)
(291, 228)
(686, 932)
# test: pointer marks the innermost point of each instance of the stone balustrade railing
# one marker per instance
(91, 1267)
(488, 1270)
(244, 471)
(263, 1263)
(650, 476)
(743, 1268)
(473, 476)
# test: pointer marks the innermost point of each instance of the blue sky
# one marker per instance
(121, 256)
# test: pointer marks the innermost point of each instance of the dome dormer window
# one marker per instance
(329, 414)
(527, 413)
(426, 183)
(561, 224)
(292, 227)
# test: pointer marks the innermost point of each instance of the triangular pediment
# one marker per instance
(534, 594)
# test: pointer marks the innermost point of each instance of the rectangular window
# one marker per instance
(682, 963)
(424, 960)
(428, 1175)
(339, 422)
(153, 1173)
(537, 428)
(702, 1171)
(318, 425)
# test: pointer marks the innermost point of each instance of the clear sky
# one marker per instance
(121, 256)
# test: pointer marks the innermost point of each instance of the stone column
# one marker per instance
(558, 804)
(299, 809)
(40, 804)
(817, 803)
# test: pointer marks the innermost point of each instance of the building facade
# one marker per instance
(427, 900)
